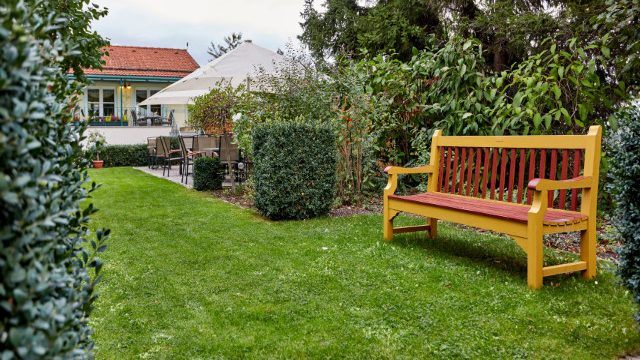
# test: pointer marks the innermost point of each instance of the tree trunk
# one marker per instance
(499, 55)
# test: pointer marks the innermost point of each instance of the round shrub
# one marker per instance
(625, 187)
(294, 169)
(208, 174)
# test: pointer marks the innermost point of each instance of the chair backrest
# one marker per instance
(500, 167)
(152, 145)
(228, 150)
(164, 150)
(185, 144)
(202, 142)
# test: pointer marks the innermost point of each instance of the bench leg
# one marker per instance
(588, 250)
(433, 228)
(535, 256)
(389, 215)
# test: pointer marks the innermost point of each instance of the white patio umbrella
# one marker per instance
(235, 67)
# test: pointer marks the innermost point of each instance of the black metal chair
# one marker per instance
(189, 154)
(229, 155)
(166, 155)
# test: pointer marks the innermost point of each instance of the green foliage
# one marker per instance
(509, 30)
(296, 88)
(294, 169)
(95, 145)
(82, 46)
(213, 112)
(619, 27)
(448, 87)
(125, 155)
(554, 92)
(357, 174)
(47, 257)
(208, 174)
(304, 92)
(346, 26)
(439, 87)
(625, 187)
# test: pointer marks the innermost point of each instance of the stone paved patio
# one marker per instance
(175, 176)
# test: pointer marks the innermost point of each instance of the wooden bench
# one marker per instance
(516, 185)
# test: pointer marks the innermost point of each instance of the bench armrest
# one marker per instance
(394, 171)
(579, 182)
(404, 170)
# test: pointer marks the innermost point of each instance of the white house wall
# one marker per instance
(116, 135)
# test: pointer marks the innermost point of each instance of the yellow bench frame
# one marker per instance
(529, 236)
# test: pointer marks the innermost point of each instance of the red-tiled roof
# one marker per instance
(146, 61)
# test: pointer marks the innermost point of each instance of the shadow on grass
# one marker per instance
(498, 252)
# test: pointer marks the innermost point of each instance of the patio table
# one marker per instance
(215, 151)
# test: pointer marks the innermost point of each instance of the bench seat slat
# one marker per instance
(498, 209)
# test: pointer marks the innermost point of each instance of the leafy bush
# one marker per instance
(46, 285)
(208, 174)
(296, 87)
(356, 166)
(625, 187)
(212, 112)
(95, 144)
(556, 91)
(294, 169)
(125, 155)
(300, 88)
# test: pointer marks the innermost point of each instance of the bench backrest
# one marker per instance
(500, 167)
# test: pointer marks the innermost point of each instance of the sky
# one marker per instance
(172, 23)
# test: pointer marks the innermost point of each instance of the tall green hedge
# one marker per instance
(125, 155)
(46, 286)
(294, 169)
(625, 187)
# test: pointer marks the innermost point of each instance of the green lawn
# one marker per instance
(189, 276)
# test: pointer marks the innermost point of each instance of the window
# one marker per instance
(155, 109)
(93, 102)
(142, 95)
(101, 102)
(108, 102)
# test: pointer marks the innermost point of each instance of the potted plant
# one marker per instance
(95, 144)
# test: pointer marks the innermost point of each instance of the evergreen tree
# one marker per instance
(232, 41)
(510, 30)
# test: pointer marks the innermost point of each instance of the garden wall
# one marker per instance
(129, 135)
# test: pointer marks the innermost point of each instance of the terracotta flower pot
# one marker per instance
(97, 164)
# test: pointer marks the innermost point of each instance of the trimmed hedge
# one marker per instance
(125, 155)
(294, 169)
(208, 174)
(48, 263)
(625, 187)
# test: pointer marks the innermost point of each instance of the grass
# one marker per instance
(188, 276)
